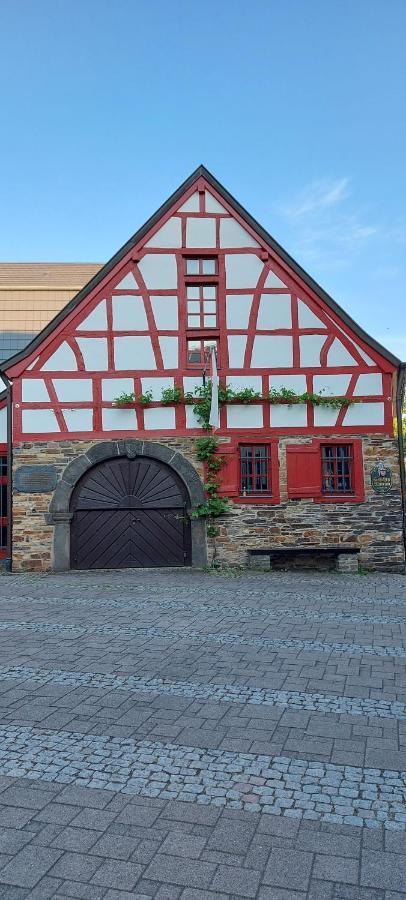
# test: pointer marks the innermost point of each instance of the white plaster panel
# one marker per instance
(128, 282)
(129, 313)
(165, 311)
(156, 386)
(275, 311)
(191, 418)
(170, 235)
(310, 347)
(242, 270)
(39, 421)
(295, 383)
(191, 205)
(63, 360)
(34, 363)
(201, 232)
(365, 357)
(34, 391)
(331, 385)
(212, 205)
(338, 355)
(96, 320)
(307, 318)
(239, 382)
(368, 385)
(169, 350)
(232, 234)
(159, 270)
(78, 419)
(283, 416)
(243, 416)
(272, 352)
(3, 425)
(133, 352)
(159, 417)
(272, 281)
(73, 389)
(236, 350)
(94, 352)
(238, 310)
(191, 382)
(325, 416)
(113, 387)
(119, 419)
(365, 414)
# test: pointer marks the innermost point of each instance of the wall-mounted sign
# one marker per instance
(381, 478)
(35, 479)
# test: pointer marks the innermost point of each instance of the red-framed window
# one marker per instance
(198, 351)
(201, 275)
(326, 471)
(201, 265)
(201, 305)
(255, 470)
(3, 500)
(337, 469)
(250, 471)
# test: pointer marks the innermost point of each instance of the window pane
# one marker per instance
(208, 266)
(210, 321)
(209, 306)
(210, 343)
(194, 352)
(337, 469)
(3, 536)
(192, 292)
(209, 291)
(254, 462)
(3, 465)
(193, 306)
(192, 266)
(193, 321)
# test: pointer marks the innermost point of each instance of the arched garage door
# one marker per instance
(129, 513)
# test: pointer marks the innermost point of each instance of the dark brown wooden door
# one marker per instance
(129, 513)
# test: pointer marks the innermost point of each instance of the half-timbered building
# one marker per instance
(104, 423)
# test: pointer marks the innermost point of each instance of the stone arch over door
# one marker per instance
(60, 514)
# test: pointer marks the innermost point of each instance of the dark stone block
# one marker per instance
(35, 479)
(104, 450)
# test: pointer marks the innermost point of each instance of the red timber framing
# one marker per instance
(331, 324)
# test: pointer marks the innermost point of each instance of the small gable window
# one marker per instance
(201, 266)
(201, 305)
(198, 351)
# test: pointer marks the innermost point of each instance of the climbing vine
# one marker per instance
(214, 506)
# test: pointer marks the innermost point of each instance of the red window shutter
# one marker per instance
(303, 470)
(229, 474)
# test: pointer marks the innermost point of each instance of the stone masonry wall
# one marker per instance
(375, 525)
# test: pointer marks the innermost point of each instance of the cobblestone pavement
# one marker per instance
(182, 735)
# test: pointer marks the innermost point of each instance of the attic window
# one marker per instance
(202, 266)
(201, 305)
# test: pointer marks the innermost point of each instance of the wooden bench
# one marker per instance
(346, 555)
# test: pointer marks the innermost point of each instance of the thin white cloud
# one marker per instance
(326, 228)
(318, 195)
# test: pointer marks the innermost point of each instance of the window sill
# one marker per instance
(258, 499)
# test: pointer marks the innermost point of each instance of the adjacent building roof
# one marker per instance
(31, 294)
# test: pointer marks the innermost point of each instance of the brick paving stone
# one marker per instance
(28, 866)
(290, 869)
(77, 866)
(336, 868)
(114, 871)
(243, 882)
(383, 870)
(173, 869)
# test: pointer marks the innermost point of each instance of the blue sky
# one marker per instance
(298, 107)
